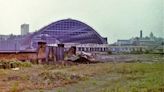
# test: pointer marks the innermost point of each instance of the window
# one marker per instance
(82, 48)
(87, 49)
(79, 48)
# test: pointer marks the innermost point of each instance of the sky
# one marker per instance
(115, 19)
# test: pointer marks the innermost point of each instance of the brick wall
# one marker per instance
(19, 55)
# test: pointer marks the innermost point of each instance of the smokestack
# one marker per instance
(141, 34)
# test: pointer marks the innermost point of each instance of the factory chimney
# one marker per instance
(140, 33)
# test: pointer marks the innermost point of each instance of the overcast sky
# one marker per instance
(115, 19)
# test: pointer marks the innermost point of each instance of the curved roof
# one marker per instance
(66, 31)
(70, 31)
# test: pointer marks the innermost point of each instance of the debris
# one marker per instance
(72, 58)
(84, 60)
(15, 69)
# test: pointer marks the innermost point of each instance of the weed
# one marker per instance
(15, 87)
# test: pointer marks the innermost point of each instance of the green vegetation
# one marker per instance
(120, 77)
(102, 77)
(14, 87)
(137, 78)
(13, 63)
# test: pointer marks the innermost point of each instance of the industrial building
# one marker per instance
(24, 29)
(138, 44)
(66, 31)
(72, 32)
(51, 42)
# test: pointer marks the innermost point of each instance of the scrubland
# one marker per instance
(100, 77)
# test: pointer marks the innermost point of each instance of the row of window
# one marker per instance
(87, 49)
(65, 26)
(127, 49)
(63, 33)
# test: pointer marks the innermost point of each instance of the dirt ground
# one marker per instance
(101, 77)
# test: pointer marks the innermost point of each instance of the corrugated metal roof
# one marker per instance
(10, 45)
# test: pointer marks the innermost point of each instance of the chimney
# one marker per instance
(60, 52)
(41, 52)
(141, 34)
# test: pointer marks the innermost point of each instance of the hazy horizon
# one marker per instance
(114, 19)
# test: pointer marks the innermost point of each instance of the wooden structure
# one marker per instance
(43, 54)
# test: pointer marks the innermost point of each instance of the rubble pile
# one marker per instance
(83, 58)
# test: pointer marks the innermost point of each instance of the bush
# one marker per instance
(15, 87)
(26, 64)
(13, 63)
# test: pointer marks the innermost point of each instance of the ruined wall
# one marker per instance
(51, 54)
(19, 56)
(44, 54)
(41, 52)
(71, 52)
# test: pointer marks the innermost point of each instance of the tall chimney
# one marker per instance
(140, 33)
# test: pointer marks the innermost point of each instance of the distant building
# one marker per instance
(124, 42)
(4, 37)
(127, 49)
(141, 41)
(137, 44)
(68, 31)
(24, 29)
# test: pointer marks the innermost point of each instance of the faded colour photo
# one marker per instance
(81, 45)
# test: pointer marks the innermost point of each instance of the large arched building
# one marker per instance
(66, 31)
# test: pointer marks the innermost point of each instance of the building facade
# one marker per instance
(138, 44)
(24, 29)
(66, 31)
(128, 49)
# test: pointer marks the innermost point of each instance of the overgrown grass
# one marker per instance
(120, 77)
(137, 77)
(102, 77)
(13, 63)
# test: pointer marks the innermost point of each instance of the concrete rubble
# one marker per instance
(83, 57)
